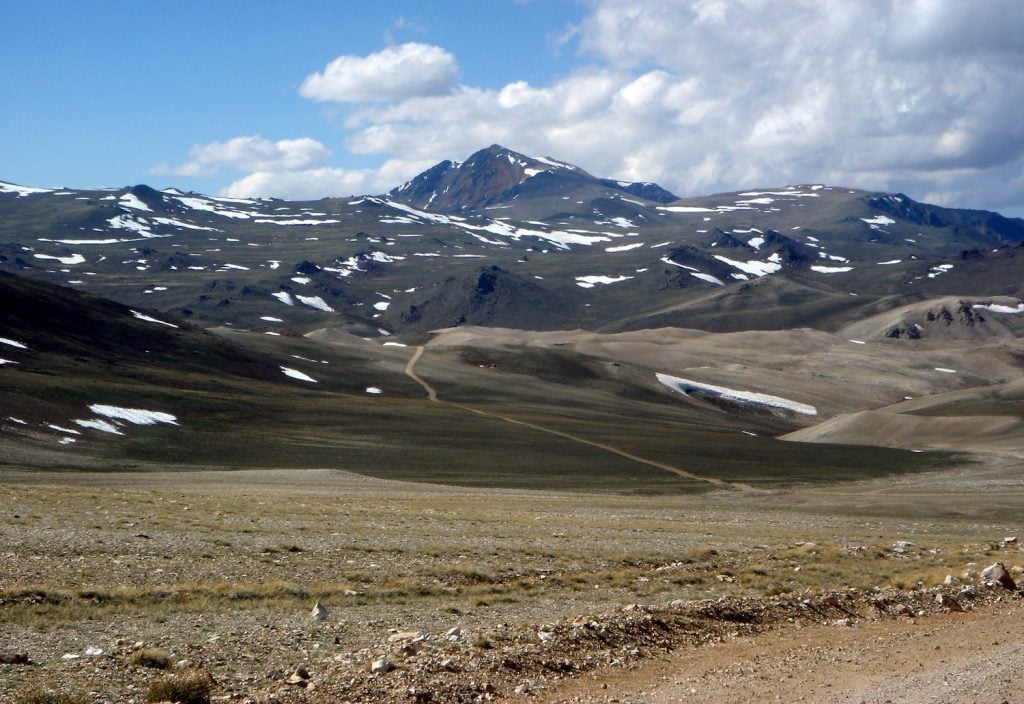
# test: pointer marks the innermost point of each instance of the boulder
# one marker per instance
(319, 612)
(382, 666)
(998, 574)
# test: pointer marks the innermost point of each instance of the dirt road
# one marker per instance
(964, 657)
(410, 371)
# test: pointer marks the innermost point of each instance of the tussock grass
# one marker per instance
(189, 687)
(155, 658)
(41, 695)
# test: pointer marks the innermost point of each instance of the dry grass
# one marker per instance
(189, 687)
(41, 695)
(155, 658)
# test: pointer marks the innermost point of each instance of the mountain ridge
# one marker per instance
(496, 175)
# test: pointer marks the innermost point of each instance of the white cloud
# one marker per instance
(393, 73)
(306, 184)
(729, 94)
(252, 153)
(919, 96)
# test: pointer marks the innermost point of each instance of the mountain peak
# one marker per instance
(498, 174)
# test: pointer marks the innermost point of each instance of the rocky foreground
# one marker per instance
(506, 662)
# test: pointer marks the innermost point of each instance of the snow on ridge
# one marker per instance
(296, 374)
(997, 308)
(590, 281)
(98, 424)
(130, 200)
(136, 416)
(125, 222)
(624, 247)
(73, 259)
(83, 242)
(707, 277)
(205, 205)
(793, 193)
(684, 386)
(13, 343)
(187, 225)
(686, 209)
(831, 269)
(757, 268)
(314, 302)
(148, 319)
(559, 238)
(553, 162)
(879, 220)
(22, 191)
(296, 221)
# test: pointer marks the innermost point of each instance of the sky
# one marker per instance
(315, 98)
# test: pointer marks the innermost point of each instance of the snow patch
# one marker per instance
(879, 220)
(315, 302)
(624, 247)
(99, 424)
(296, 374)
(684, 386)
(996, 308)
(21, 191)
(73, 259)
(753, 267)
(831, 269)
(130, 200)
(148, 319)
(137, 416)
(590, 281)
(13, 343)
(685, 209)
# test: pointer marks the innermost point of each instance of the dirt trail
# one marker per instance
(963, 657)
(410, 371)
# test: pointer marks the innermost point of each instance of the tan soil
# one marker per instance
(962, 657)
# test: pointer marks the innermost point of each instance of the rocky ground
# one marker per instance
(448, 595)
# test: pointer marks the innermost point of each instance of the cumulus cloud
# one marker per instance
(919, 96)
(252, 153)
(307, 184)
(393, 73)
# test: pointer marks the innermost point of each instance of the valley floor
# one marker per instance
(829, 594)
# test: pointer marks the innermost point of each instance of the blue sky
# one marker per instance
(308, 99)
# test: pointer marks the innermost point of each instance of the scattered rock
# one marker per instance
(950, 580)
(382, 666)
(948, 603)
(403, 636)
(13, 659)
(319, 612)
(546, 636)
(1010, 540)
(299, 677)
(997, 573)
(453, 633)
